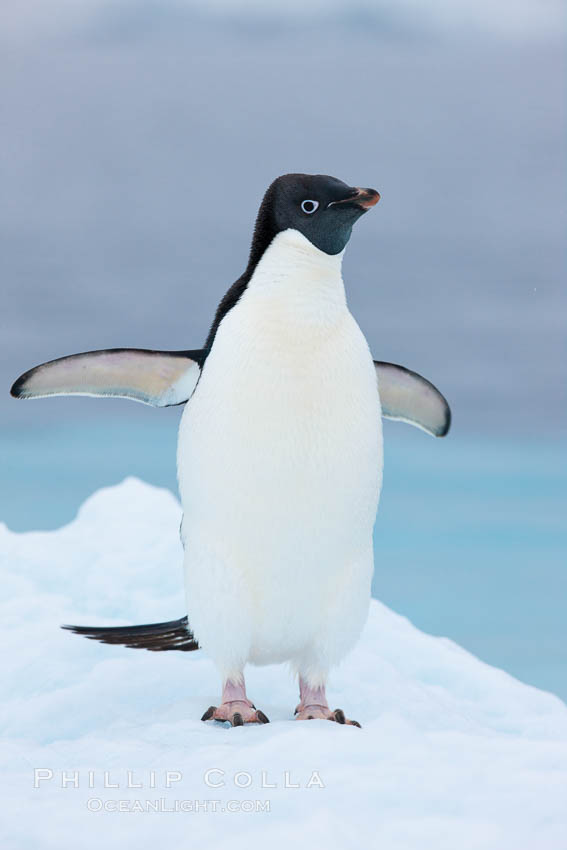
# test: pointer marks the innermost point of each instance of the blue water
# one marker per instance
(470, 540)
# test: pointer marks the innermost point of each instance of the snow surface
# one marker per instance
(453, 753)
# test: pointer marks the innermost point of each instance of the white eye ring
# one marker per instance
(309, 206)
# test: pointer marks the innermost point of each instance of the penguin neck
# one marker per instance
(301, 282)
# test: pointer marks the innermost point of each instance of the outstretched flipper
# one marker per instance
(157, 637)
(165, 378)
(408, 397)
(158, 378)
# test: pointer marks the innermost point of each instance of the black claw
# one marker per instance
(339, 715)
(262, 717)
(310, 717)
(355, 723)
(296, 711)
(209, 713)
(237, 719)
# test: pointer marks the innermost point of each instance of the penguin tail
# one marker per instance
(157, 637)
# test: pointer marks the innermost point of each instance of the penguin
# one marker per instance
(279, 453)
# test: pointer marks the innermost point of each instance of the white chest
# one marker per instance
(284, 429)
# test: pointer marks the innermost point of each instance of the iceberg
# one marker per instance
(102, 746)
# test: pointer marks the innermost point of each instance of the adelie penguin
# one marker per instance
(279, 455)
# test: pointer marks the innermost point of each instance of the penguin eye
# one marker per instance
(309, 206)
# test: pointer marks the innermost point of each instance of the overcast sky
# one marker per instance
(138, 138)
(527, 20)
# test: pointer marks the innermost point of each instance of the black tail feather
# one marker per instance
(157, 637)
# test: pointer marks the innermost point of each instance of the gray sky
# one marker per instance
(138, 139)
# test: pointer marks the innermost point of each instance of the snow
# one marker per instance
(453, 753)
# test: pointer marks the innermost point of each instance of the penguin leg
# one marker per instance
(235, 707)
(313, 705)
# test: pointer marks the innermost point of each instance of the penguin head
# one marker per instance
(320, 207)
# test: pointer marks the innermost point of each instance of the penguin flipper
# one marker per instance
(158, 378)
(157, 637)
(408, 397)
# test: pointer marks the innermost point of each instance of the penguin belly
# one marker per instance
(279, 463)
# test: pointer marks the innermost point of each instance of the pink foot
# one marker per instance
(314, 706)
(235, 707)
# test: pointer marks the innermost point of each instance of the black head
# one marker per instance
(322, 208)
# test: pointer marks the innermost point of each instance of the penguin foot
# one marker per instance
(235, 707)
(323, 712)
(237, 712)
(314, 705)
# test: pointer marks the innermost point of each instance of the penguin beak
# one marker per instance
(361, 198)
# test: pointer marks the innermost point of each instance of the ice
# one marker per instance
(453, 752)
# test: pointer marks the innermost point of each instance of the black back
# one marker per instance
(264, 232)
